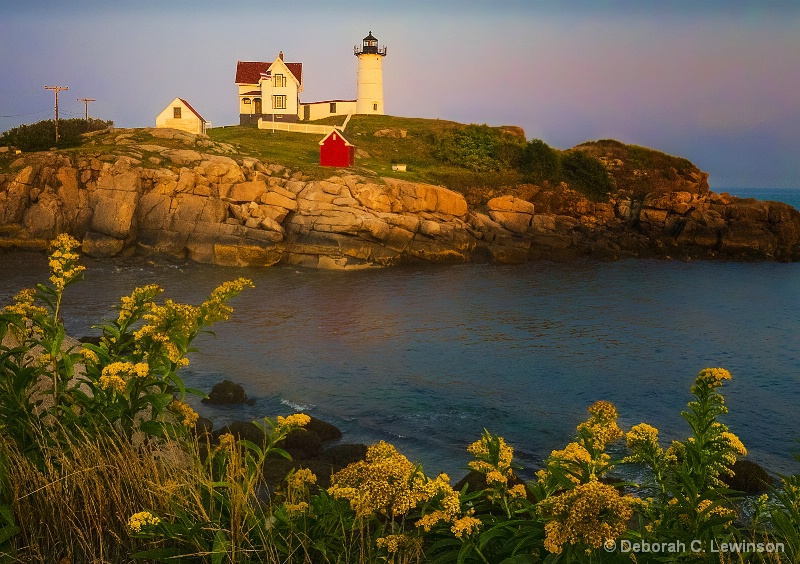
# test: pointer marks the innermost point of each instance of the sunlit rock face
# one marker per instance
(207, 204)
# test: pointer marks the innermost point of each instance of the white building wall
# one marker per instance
(282, 83)
(370, 84)
(187, 122)
(319, 110)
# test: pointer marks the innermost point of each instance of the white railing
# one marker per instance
(295, 127)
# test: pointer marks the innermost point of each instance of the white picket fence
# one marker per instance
(301, 127)
(295, 127)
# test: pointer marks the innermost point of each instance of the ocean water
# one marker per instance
(789, 196)
(426, 358)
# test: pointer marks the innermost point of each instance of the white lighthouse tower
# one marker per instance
(370, 76)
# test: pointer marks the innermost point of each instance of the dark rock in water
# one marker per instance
(342, 455)
(203, 426)
(227, 393)
(302, 444)
(323, 466)
(477, 481)
(326, 431)
(91, 340)
(748, 477)
(241, 430)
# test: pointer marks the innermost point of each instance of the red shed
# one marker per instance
(335, 150)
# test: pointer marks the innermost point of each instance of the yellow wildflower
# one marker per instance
(735, 443)
(716, 511)
(395, 543)
(227, 442)
(590, 514)
(518, 491)
(141, 519)
(299, 478)
(63, 262)
(601, 427)
(385, 482)
(465, 526)
(188, 414)
(300, 507)
(712, 377)
(113, 383)
(141, 299)
(214, 308)
(291, 421)
(89, 356)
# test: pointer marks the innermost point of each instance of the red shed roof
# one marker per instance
(188, 105)
(249, 72)
(339, 135)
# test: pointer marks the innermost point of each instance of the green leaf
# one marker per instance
(221, 547)
(159, 554)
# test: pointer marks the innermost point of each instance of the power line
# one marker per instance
(24, 115)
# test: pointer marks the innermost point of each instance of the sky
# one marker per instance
(716, 82)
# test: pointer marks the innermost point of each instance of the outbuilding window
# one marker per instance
(333, 107)
(176, 112)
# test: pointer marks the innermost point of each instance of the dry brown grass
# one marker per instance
(75, 507)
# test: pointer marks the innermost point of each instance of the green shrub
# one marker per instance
(41, 136)
(479, 148)
(540, 163)
(587, 175)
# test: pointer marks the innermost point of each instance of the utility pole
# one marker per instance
(86, 103)
(57, 89)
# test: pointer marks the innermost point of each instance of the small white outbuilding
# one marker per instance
(179, 114)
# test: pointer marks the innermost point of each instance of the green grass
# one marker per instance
(375, 154)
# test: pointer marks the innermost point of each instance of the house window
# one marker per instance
(245, 101)
(279, 81)
(333, 107)
(279, 102)
(375, 107)
(176, 112)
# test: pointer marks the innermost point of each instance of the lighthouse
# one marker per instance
(370, 76)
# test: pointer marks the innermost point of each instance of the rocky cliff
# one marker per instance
(184, 197)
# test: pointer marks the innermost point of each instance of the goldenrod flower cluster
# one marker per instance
(466, 525)
(492, 458)
(142, 519)
(116, 375)
(590, 514)
(292, 421)
(23, 304)
(299, 478)
(24, 307)
(214, 308)
(63, 262)
(571, 461)
(385, 483)
(718, 511)
(601, 428)
(734, 442)
(395, 543)
(297, 491)
(189, 416)
(165, 324)
(227, 442)
(89, 356)
(642, 440)
(711, 378)
(140, 300)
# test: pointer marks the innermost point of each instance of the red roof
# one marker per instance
(188, 105)
(249, 72)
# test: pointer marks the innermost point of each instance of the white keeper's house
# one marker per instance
(270, 91)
